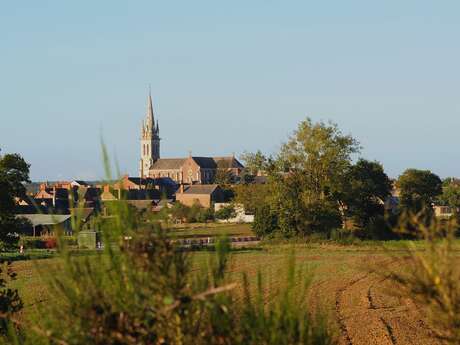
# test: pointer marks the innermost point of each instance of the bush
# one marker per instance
(226, 212)
(182, 213)
(265, 222)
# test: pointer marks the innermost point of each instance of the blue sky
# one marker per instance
(227, 77)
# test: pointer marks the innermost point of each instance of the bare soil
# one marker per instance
(368, 309)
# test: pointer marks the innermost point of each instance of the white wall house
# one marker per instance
(241, 216)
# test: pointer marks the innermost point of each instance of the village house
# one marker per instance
(53, 197)
(164, 186)
(203, 195)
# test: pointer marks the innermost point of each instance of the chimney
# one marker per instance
(106, 188)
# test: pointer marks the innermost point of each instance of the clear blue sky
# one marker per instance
(227, 77)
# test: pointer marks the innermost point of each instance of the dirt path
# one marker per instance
(370, 311)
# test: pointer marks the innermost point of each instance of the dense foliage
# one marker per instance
(450, 193)
(418, 189)
(365, 189)
(14, 172)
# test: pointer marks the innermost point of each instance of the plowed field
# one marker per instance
(348, 285)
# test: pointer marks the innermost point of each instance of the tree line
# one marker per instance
(318, 183)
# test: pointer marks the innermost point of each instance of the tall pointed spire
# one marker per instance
(150, 139)
(150, 116)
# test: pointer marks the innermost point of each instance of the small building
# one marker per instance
(204, 195)
(46, 224)
(444, 212)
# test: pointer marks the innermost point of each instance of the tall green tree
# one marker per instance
(418, 189)
(14, 172)
(322, 153)
(450, 193)
(366, 188)
(315, 160)
(254, 162)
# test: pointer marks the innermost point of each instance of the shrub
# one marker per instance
(265, 222)
(226, 212)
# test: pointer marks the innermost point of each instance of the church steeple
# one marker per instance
(150, 117)
(150, 140)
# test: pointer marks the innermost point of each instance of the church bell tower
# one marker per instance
(150, 140)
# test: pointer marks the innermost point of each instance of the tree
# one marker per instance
(309, 174)
(254, 162)
(298, 212)
(14, 172)
(418, 189)
(322, 154)
(450, 193)
(366, 188)
(223, 177)
(265, 221)
(251, 196)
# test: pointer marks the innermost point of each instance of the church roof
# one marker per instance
(228, 162)
(168, 164)
(203, 162)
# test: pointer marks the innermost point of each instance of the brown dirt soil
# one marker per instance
(368, 310)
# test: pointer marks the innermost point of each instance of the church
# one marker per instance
(186, 170)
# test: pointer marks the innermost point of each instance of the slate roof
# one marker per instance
(203, 162)
(142, 194)
(44, 219)
(228, 162)
(140, 181)
(168, 163)
(201, 189)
